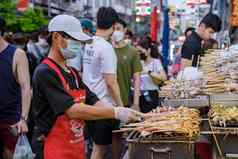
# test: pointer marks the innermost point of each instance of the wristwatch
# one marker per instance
(24, 118)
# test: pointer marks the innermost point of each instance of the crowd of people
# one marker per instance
(70, 84)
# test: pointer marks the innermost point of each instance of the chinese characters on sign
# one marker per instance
(143, 7)
(234, 13)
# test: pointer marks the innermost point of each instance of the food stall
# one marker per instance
(220, 69)
(197, 103)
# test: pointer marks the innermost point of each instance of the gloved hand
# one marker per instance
(127, 115)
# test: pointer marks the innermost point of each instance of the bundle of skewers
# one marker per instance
(187, 85)
(182, 121)
(224, 116)
(220, 69)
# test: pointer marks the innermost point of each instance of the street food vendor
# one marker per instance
(61, 102)
(192, 47)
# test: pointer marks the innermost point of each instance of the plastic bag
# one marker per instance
(190, 73)
(23, 149)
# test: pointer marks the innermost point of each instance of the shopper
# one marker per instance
(176, 66)
(152, 70)
(77, 62)
(88, 26)
(61, 101)
(38, 45)
(14, 93)
(128, 66)
(128, 36)
(192, 47)
(100, 75)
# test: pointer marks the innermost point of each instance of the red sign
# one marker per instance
(195, 2)
(234, 13)
(22, 5)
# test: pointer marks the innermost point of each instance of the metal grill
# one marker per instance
(158, 146)
(226, 141)
(197, 102)
(224, 99)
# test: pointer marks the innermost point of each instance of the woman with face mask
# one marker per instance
(152, 71)
(61, 101)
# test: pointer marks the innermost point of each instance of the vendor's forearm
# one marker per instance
(86, 112)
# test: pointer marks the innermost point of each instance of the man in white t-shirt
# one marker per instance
(99, 74)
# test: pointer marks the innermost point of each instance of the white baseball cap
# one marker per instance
(70, 25)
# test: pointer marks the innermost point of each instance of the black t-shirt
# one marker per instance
(49, 97)
(192, 48)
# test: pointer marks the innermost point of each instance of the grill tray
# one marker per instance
(135, 136)
(159, 146)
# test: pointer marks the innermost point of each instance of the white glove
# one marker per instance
(126, 114)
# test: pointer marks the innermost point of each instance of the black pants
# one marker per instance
(37, 145)
(149, 100)
(1, 151)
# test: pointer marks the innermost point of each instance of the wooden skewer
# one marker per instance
(216, 141)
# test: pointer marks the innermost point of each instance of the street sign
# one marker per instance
(196, 2)
(139, 2)
(143, 11)
(143, 7)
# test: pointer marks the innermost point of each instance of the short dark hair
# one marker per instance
(2, 25)
(106, 17)
(49, 39)
(129, 33)
(147, 43)
(122, 22)
(188, 29)
(212, 21)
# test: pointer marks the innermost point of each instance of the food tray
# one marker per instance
(199, 101)
(224, 99)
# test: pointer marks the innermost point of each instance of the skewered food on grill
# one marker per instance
(224, 115)
(184, 121)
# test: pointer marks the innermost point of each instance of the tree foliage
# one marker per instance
(27, 21)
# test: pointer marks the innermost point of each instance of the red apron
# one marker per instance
(65, 140)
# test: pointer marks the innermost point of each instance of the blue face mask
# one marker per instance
(71, 50)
